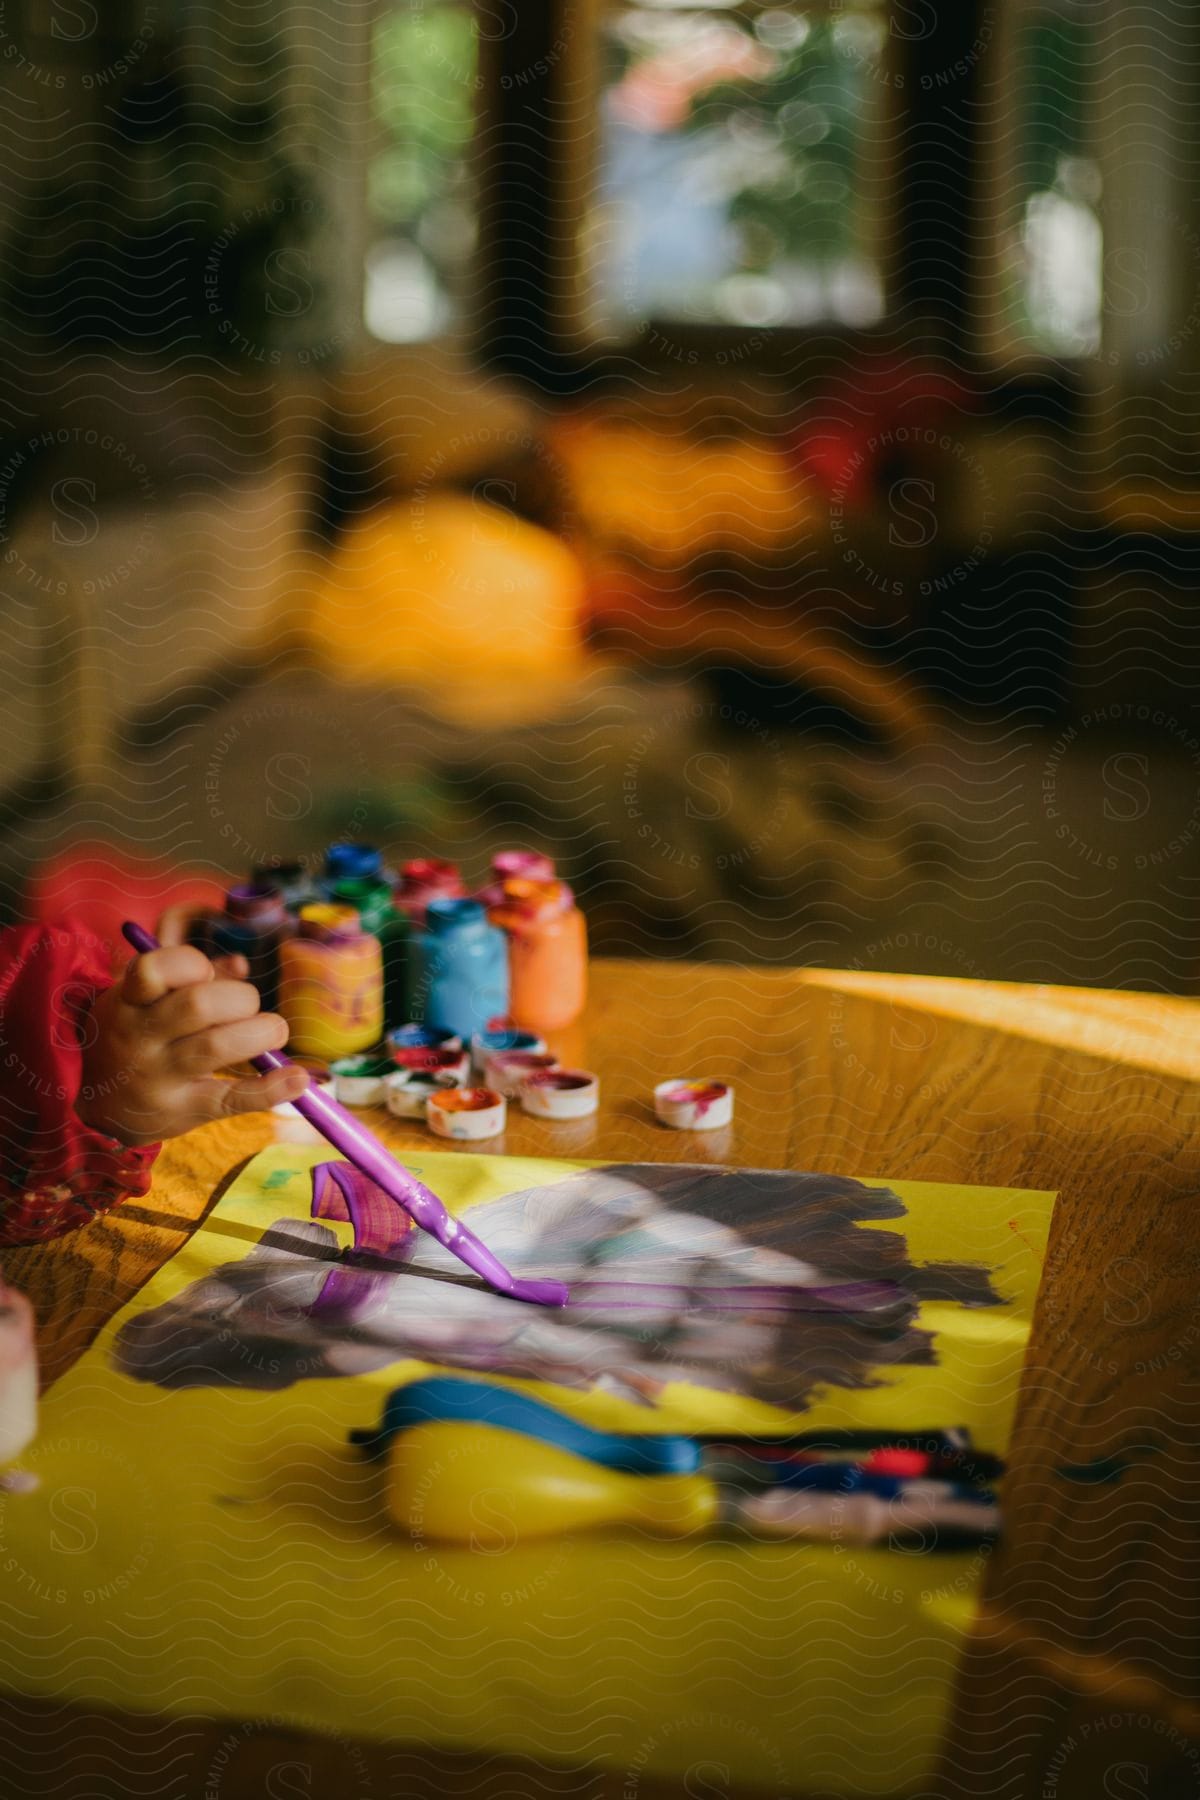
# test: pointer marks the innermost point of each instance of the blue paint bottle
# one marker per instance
(460, 968)
(352, 862)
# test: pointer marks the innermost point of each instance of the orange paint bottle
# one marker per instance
(547, 953)
(331, 984)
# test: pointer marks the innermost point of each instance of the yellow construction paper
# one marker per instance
(226, 1552)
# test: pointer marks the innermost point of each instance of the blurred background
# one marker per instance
(748, 451)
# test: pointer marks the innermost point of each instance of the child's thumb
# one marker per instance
(258, 1093)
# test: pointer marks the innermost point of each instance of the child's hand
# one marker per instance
(154, 1041)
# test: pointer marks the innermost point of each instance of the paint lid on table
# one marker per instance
(560, 1093)
(455, 1063)
(466, 1113)
(500, 1035)
(415, 1036)
(505, 1070)
(358, 1080)
(687, 1104)
(405, 1091)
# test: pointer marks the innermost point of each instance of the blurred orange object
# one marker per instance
(668, 496)
(102, 886)
(455, 595)
(547, 953)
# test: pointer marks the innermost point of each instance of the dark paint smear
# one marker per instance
(250, 1324)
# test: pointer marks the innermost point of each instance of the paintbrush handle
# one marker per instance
(361, 1147)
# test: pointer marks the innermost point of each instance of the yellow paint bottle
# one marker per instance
(331, 984)
(461, 1484)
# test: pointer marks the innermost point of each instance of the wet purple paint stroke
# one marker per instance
(381, 1229)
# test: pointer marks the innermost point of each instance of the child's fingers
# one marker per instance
(175, 923)
(189, 1010)
(206, 1051)
(255, 1093)
(159, 972)
(231, 968)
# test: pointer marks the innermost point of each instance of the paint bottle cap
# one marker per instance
(454, 1063)
(505, 1070)
(521, 865)
(405, 1091)
(500, 1034)
(446, 912)
(524, 902)
(292, 877)
(257, 903)
(691, 1105)
(560, 1093)
(326, 922)
(343, 860)
(431, 871)
(415, 1036)
(469, 1112)
(358, 1080)
(280, 872)
(528, 863)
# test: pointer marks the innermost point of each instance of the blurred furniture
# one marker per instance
(1090, 1610)
(454, 597)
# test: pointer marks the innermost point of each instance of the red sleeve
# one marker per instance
(56, 1173)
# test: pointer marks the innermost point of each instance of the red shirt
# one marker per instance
(56, 1173)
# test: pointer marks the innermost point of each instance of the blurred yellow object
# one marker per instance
(460, 1484)
(670, 496)
(452, 594)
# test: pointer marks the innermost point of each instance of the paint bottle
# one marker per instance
(547, 941)
(459, 967)
(255, 924)
(351, 862)
(525, 865)
(426, 878)
(331, 984)
(292, 877)
(372, 898)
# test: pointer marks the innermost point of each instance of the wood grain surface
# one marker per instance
(1091, 1616)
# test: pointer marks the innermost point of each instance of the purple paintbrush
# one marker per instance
(363, 1149)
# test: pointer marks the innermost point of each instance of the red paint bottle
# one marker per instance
(426, 878)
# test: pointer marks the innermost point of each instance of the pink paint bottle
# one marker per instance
(547, 952)
(518, 865)
(426, 878)
(331, 984)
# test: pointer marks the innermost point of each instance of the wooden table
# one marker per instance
(1091, 1618)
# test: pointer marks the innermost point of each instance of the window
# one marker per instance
(1051, 245)
(739, 145)
(420, 190)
